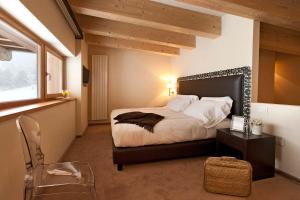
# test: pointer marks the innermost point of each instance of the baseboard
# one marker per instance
(83, 132)
(278, 171)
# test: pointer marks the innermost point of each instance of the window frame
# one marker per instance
(58, 55)
(5, 17)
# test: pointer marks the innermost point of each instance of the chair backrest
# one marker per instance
(29, 130)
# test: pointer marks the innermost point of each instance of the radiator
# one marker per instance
(99, 87)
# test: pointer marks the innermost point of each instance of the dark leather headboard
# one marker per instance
(216, 87)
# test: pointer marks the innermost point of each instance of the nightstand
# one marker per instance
(259, 150)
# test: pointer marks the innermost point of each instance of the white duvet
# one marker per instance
(176, 127)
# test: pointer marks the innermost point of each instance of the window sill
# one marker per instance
(11, 113)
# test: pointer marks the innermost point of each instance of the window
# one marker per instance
(30, 71)
(19, 66)
(54, 73)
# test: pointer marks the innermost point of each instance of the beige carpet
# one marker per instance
(166, 180)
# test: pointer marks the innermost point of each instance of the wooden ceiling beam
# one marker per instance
(99, 26)
(4, 39)
(130, 44)
(12, 47)
(6, 43)
(151, 14)
(279, 39)
(277, 12)
(17, 49)
(10, 43)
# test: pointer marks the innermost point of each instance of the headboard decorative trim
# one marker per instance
(245, 71)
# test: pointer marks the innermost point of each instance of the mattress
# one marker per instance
(176, 127)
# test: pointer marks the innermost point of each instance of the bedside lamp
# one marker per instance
(171, 86)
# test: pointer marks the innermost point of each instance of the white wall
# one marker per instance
(58, 131)
(75, 86)
(136, 79)
(84, 89)
(282, 121)
(232, 49)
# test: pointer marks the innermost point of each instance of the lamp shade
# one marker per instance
(170, 85)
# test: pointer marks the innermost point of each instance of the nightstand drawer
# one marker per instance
(233, 142)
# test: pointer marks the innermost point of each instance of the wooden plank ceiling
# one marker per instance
(284, 13)
(280, 20)
(143, 25)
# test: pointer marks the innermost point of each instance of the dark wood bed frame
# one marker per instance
(232, 86)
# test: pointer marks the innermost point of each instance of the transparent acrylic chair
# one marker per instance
(76, 182)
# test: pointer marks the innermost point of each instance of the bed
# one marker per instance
(130, 148)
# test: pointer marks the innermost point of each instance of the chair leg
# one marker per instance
(93, 192)
(29, 191)
(119, 167)
(28, 194)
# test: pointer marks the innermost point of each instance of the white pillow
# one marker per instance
(178, 104)
(225, 99)
(192, 98)
(209, 112)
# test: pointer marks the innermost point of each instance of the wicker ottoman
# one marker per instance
(227, 175)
